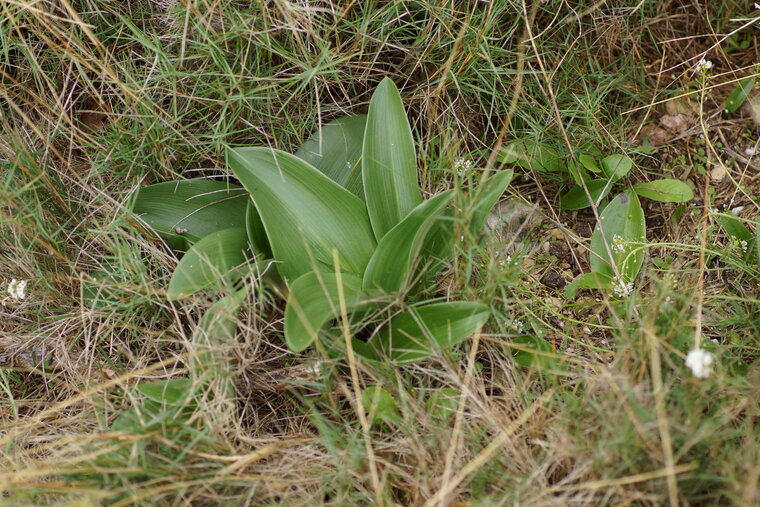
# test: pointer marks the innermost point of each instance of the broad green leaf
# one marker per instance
(623, 230)
(336, 150)
(391, 266)
(105, 288)
(182, 212)
(380, 406)
(532, 351)
(588, 162)
(166, 404)
(485, 198)
(306, 215)
(210, 262)
(171, 391)
(577, 172)
(530, 154)
(216, 329)
(576, 198)
(739, 94)
(443, 403)
(314, 300)
(219, 323)
(418, 332)
(666, 190)
(389, 163)
(588, 281)
(616, 166)
(257, 235)
(733, 226)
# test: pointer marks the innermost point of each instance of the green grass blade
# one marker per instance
(391, 266)
(389, 163)
(336, 150)
(417, 333)
(210, 262)
(183, 212)
(306, 215)
(622, 229)
(313, 301)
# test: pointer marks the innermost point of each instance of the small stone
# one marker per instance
(586, 330)
(718, 173)
(558, 234)
(568, 275)
(675, 123)
(564, 265)
(528, 263)
(553, 280)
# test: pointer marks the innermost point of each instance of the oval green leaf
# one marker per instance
(576, 198)
(733, 226)
(210, 262)
(389, 163)
(665, 190)
(392, 265)
(616, 166)
(530, 154)
(485, 197)
(380, 406)
(621, 233)
(739, 94)
(588, 281)
(532, 351)
(306, 215)
(336, 151)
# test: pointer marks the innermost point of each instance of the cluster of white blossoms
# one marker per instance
(622, 289)
(618, 244)
(462, 166)
(744, 245)
(16, 290)
(516, 325)
(704, 65)
(700, 362)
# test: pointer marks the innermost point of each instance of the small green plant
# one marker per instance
(593, 178)
(353, 244)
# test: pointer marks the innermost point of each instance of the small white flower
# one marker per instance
(700, 362)
(622, 289)
(462, 166)
(516, 325)
(744, 245)
(704, 65)
(17, 289)
(618, 244)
